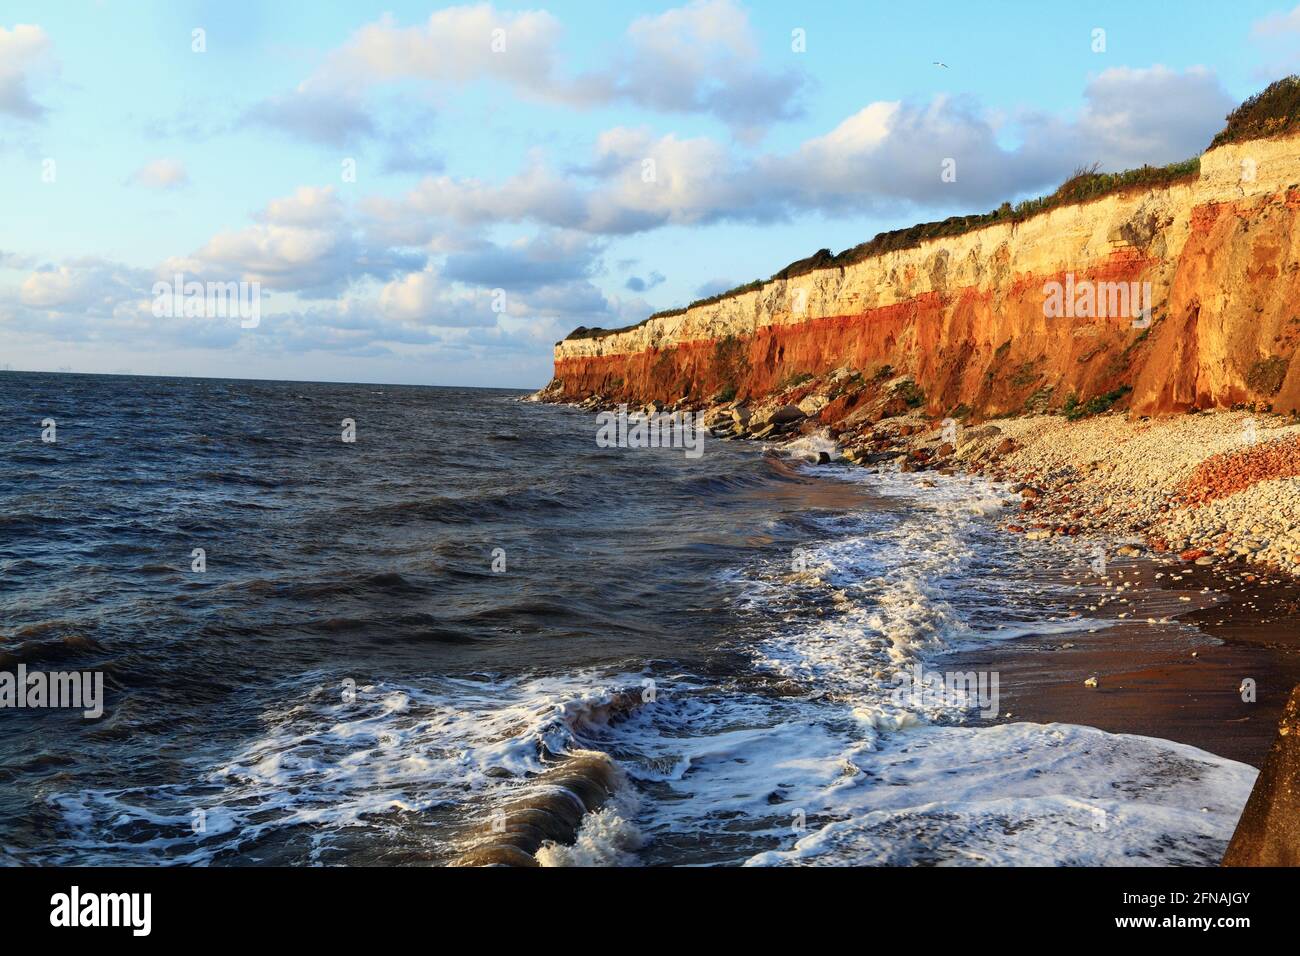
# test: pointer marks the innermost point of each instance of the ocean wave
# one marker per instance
(415, 768)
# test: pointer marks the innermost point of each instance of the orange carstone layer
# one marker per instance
(1225, 303)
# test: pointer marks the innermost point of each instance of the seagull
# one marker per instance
(944, 65)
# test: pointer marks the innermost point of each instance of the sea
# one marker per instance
(344, 624)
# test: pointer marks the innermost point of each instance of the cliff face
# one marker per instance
(965, 317)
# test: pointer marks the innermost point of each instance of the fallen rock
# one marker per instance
(717, 416)
(813, 404)
(782, 415)
(1268, 833)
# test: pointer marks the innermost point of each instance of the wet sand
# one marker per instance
(1159, 680)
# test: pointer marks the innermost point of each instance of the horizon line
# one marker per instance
(284, 381)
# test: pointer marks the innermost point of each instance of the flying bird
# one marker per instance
(944, 65)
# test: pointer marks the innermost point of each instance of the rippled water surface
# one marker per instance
(353, 680)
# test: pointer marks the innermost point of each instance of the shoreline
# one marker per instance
(1175, 683)
(1196, 502)
(1219, 487)
(1199, 503)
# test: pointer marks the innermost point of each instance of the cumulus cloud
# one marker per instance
(309, 207)
(537, 193)
(301, 243)
(426, 298)
(84, 285)
(95, 300)
(699, 59)
(887, 158)
(161, 174)
(337, 289)
(22, 50)
(454, 46)
(1155, 115)
(423, 270)
(14, 260)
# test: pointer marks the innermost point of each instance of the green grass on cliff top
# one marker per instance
(1272, 112)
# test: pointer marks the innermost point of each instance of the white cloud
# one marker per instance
(427, 299)
(301, 243)
(701, 59)
(332, 290)
(887, 158)
(21, 50)
(455, 46)
(86, 285)
(417, 272)
(161, 174)
(1155, 115)
(411, 297)
(309, 206)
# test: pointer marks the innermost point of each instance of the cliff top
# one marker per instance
(1271, 112)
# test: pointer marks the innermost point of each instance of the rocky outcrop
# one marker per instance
(1268, 833)
(968, 318)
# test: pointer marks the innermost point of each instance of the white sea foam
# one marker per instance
(841, 773)
(1028, 794)
(809, 447)
(846, 774)
(608, 837)
(325, 765)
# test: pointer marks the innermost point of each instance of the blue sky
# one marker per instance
(586, 165)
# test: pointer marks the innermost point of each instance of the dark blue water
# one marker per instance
(328, 561)
(394, 637)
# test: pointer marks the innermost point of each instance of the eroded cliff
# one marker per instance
(968, 318)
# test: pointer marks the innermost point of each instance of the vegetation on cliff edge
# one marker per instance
(1271, 112)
